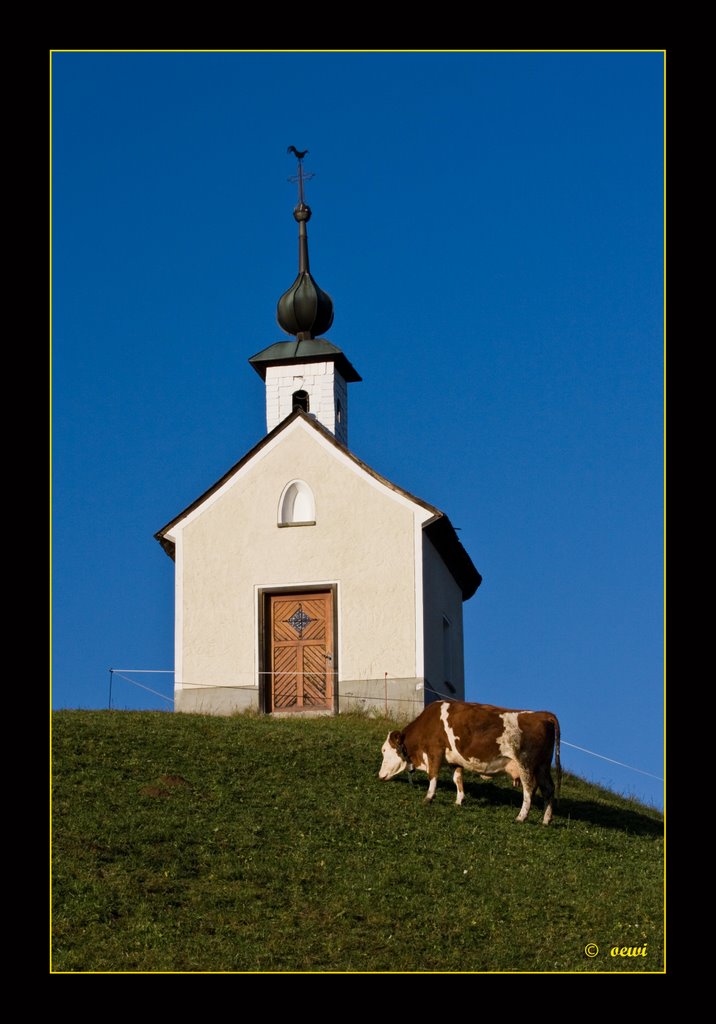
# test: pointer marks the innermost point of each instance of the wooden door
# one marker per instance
(301, 652)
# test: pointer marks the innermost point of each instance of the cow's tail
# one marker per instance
(557, 762)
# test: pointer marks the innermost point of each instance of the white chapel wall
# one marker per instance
(442, 601)
(363, 541)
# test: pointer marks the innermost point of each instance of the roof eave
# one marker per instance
(316, 350)
(441, 533)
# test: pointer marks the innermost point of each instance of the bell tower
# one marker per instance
(309, 372)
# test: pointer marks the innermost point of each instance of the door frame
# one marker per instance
(264, 636)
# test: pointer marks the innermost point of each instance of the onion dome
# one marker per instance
(305, 309)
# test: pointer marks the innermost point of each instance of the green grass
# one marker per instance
(197, 843)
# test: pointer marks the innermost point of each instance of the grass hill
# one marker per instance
(197, 843)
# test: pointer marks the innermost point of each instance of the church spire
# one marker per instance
(305, 310)
(308, 372)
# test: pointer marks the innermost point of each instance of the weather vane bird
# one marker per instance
(301, 176)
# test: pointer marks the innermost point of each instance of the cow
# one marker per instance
(484, 739)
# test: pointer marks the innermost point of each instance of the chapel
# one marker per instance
(306, 582)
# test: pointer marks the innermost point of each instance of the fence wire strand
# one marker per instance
(355, 696)
(141, 686)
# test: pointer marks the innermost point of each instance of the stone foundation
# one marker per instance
(405, 698)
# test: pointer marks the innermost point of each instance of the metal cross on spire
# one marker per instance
(301, 176)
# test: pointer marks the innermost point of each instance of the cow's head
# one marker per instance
(395, 756)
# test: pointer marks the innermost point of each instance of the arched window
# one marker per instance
(296, 505)
(299, 400)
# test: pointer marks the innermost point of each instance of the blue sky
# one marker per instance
(490, 227)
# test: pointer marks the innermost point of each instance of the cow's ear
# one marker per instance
(395, 738)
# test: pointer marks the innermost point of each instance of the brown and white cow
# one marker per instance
(484, 739)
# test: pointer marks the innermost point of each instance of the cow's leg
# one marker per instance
(457, 779)
(547, 788)
(434, 762)
(529, 784)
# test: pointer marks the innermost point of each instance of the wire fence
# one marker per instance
(123, 673)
